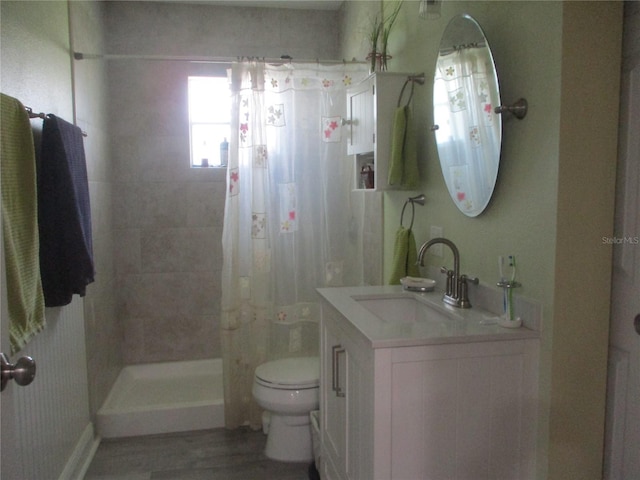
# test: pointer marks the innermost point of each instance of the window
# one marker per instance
(209, 121)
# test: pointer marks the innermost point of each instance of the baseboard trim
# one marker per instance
(82, 454)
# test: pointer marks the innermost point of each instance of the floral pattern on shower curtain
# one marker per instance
(289, 217)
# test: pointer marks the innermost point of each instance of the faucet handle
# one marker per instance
(444, 270)
(467, 279)
(464, 290)
(450, 287)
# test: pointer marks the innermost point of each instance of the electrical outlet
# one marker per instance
(436, 249)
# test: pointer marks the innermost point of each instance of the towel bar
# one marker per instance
(43, 116)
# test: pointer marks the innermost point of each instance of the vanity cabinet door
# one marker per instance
(333, 407)
(346, 408)
(464, 411)
(360, 418)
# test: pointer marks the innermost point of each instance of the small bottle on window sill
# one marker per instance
(224, 152)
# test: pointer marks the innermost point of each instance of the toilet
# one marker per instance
(288, 389)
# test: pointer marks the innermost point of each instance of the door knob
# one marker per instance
(23, 372)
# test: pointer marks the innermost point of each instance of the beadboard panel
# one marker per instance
(52, 413)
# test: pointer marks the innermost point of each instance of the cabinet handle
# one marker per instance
(334, 366)
(335, 373)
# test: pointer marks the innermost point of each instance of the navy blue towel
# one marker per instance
(64, 213)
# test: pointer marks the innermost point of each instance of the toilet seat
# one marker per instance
(289, 373)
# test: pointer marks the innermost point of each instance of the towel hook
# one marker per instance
(419, 199)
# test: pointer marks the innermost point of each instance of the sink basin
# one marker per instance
(403, 309)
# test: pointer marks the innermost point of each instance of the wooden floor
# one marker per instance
(216, 454)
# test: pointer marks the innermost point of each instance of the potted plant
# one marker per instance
(379, 36)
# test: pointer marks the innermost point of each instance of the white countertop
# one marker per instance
(449, 325)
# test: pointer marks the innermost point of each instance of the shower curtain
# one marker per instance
(291, 222)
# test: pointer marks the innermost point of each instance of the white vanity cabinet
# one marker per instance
(371, 105)
(433, 411)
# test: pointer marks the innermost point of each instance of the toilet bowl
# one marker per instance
(288, 389)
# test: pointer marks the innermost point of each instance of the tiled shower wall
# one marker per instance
(167, 216)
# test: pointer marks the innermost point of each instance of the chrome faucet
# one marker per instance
(456, 292)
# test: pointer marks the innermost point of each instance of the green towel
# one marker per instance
(405, 257)
(403, 166)
(25, 300)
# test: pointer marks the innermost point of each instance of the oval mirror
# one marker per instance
(468, 131)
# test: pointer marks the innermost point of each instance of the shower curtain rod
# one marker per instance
(195, 59)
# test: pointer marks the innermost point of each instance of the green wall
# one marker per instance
(549, 199)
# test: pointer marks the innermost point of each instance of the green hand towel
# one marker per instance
(411, 174)
(405, 257)
(403, 165)
(25, 300)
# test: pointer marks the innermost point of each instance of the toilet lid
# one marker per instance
(304, 371)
